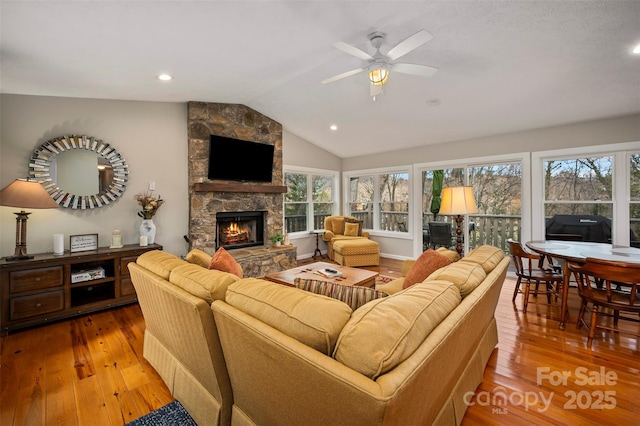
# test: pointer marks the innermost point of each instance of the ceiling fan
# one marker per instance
(379, 66)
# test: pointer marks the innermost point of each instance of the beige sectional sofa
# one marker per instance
(181, 340)
(296, 358)
(268, 354)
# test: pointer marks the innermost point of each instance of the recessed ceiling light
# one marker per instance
(164, 77)
(333, 127)
(636, 50)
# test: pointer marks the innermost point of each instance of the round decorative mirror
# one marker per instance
(79, 172)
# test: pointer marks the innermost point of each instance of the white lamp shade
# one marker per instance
(458, 200)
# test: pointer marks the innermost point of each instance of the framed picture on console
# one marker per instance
(83, 242)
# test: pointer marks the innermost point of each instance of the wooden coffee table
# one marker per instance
(350, 276)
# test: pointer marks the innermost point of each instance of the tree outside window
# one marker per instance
(295, 202)
(394, 202)
(361, 196)
(322, 199)
(579, 186)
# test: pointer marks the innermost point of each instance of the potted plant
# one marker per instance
(277, 238)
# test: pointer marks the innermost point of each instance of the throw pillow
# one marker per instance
(351, 229)
(425, 265)
(198, 257)
(337, 224)
(354, 296)
(223, 261)
(354, 227)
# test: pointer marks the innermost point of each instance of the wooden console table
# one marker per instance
(39, 290)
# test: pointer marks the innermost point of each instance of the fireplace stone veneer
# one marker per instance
(241, 122)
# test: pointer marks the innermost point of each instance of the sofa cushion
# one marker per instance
(425, 265)
(485, 255)
(353, 295)
(391, 287)
(160, 262)
(465, 275)
(309, 318)
(353, 246)
(198, 257)
(223, 261)
(337, 224)
(385, 332)
(451, 254)
(207, 284)
(352, 227)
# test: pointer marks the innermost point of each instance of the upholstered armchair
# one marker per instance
(341, 228)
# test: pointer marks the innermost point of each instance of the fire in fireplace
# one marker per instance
(240, 229)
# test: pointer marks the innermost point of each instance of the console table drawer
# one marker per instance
(38, 304)
(126, 287)
(124, 262)
(35, 279)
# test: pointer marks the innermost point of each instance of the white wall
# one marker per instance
(150, 136)
(597, 132)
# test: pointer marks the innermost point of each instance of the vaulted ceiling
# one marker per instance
(503, 66)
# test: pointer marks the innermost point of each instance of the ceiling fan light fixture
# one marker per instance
(378, 76)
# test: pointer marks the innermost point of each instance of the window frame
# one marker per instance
(310, 173)
(465, 163)
(375, 173)
(620, 153)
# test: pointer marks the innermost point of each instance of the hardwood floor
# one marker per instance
(90, 370)
(84, 371)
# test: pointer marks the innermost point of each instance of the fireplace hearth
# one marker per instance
(240, 229)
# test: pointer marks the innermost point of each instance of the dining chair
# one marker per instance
(440, 234)
(607, 285)
(530, 271)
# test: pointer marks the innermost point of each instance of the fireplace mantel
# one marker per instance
(238, 187)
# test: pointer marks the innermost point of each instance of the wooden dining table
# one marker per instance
(578, 252)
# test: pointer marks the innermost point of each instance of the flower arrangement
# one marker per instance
(149, 203)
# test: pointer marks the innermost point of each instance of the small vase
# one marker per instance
(148, 229)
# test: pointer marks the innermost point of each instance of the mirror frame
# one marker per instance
(42, 159)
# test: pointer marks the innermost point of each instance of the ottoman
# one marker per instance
(356, 252)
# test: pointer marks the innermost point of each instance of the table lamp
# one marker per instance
(25, 194)
(458, 200)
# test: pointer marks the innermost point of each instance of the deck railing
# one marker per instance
(493, 230)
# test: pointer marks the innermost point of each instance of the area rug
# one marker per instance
(383, 279)
(172, 414)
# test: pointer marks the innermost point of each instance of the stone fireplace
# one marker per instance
(208, 198)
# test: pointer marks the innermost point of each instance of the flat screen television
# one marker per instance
(238, 160)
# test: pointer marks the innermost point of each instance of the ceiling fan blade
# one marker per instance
(353, 51)
(407, 45)
(343, 75)
(421, 70)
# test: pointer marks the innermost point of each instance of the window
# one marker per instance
(634, 199)
(597, 180)
(310, 198)
(361, 196)
(497, 188)
(394, 202)
(578, 186)
(498, 192)
(380, 200)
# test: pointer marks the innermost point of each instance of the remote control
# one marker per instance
(333, 271)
